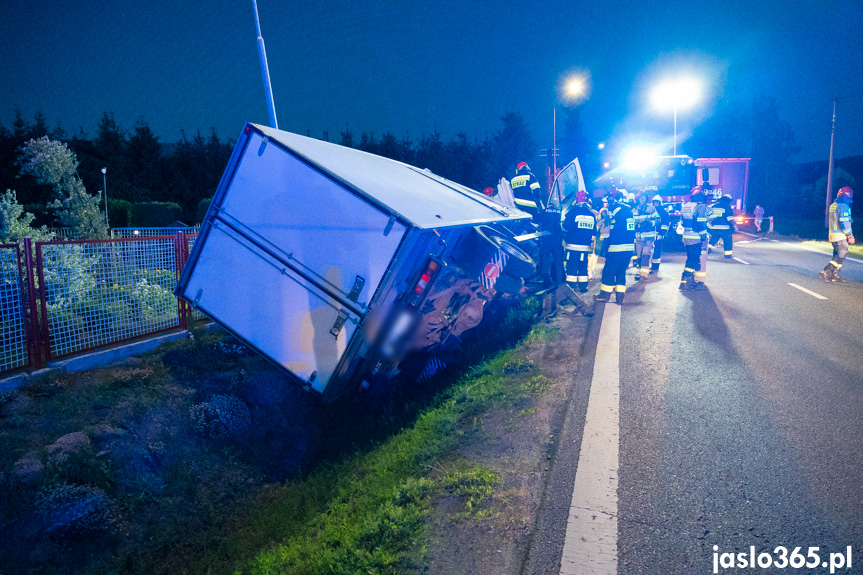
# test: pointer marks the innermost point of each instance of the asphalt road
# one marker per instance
(741, 418)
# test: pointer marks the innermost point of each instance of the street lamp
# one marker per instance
(683, 92)
(575, 87)
(105, 191)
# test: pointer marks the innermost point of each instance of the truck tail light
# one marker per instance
(422, 284)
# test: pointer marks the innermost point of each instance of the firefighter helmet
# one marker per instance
(726, 197)
(488, 191)
(845, 191)
(581, 196)
(656, 198)
(521, 165)
(696, 190)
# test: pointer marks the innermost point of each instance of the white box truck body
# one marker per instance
(335, 263)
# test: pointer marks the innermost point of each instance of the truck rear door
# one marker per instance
(289, 258)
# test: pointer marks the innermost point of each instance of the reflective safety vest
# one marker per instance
(621, 237)
(526, 191)
(721, 217)
(693, 216)
(840, 221)
(646, 220)
(579, 228)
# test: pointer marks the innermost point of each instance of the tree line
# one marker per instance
(141, 168)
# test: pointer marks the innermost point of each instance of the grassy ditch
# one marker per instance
(365, 514)
(201, 458)
(813, 234)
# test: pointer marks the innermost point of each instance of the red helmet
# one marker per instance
(581, 196)
(845, 191)
(521, 165)
(696, 190)
(488, 191)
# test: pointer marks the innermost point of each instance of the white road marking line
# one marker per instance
(590, 545)
(803, 289)
(741, 261)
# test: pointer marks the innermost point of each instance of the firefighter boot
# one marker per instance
(837, 278)
(827, 273)
(581, 287)
(618, 297)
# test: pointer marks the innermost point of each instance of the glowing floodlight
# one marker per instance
(678, 93)
(639, 157)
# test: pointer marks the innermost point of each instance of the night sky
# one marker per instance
(415, 67)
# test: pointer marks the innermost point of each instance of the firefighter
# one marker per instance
(646, 218)
(693, 217)
(840, 234)
(722, 226)
(527, 192)
(618, 249)
(579, 233)
(661, 231)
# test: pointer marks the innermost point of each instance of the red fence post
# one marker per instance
(34, 345)
(179, 251)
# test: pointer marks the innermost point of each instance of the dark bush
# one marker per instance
(119, 213)
(154, 214)
(203, 205)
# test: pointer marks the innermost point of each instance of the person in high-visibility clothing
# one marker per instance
(721, 225)
(646, 218)
(840, 234)
(579, 233)
(618, 249)
(527, 191)
(661, 232)
(693, 217)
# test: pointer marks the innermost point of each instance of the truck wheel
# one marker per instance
(519, 263)
(508, 284)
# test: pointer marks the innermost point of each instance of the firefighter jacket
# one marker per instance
(840, 221)
(621, 237)
(721, 217)
(662, 224)
(693, 216)
(527, 192)
(646, 218)
(579, 228)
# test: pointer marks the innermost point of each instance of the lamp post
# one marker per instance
(575, 88)
(105, 191)
(683, 92)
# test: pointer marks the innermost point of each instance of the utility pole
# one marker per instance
(830, 171)
(265, 70)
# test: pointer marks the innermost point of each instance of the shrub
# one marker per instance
(71, 511)
(201, 212)
(119, 213)
(154, 214)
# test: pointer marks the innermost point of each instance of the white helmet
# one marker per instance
(656, 198)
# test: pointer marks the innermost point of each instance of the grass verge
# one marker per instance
(365, 513)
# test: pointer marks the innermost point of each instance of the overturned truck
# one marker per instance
(337, 265)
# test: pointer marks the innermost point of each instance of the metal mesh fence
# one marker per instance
(13, 337)
(196, 315)
(101, 292)
(121, 233)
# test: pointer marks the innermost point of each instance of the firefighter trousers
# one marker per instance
(840, 250)
(643, 252)
(692, 265)
(724, 234)
(614, 272)
(657, 255)
(577, 258)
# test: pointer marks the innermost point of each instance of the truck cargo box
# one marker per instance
(304, 239)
